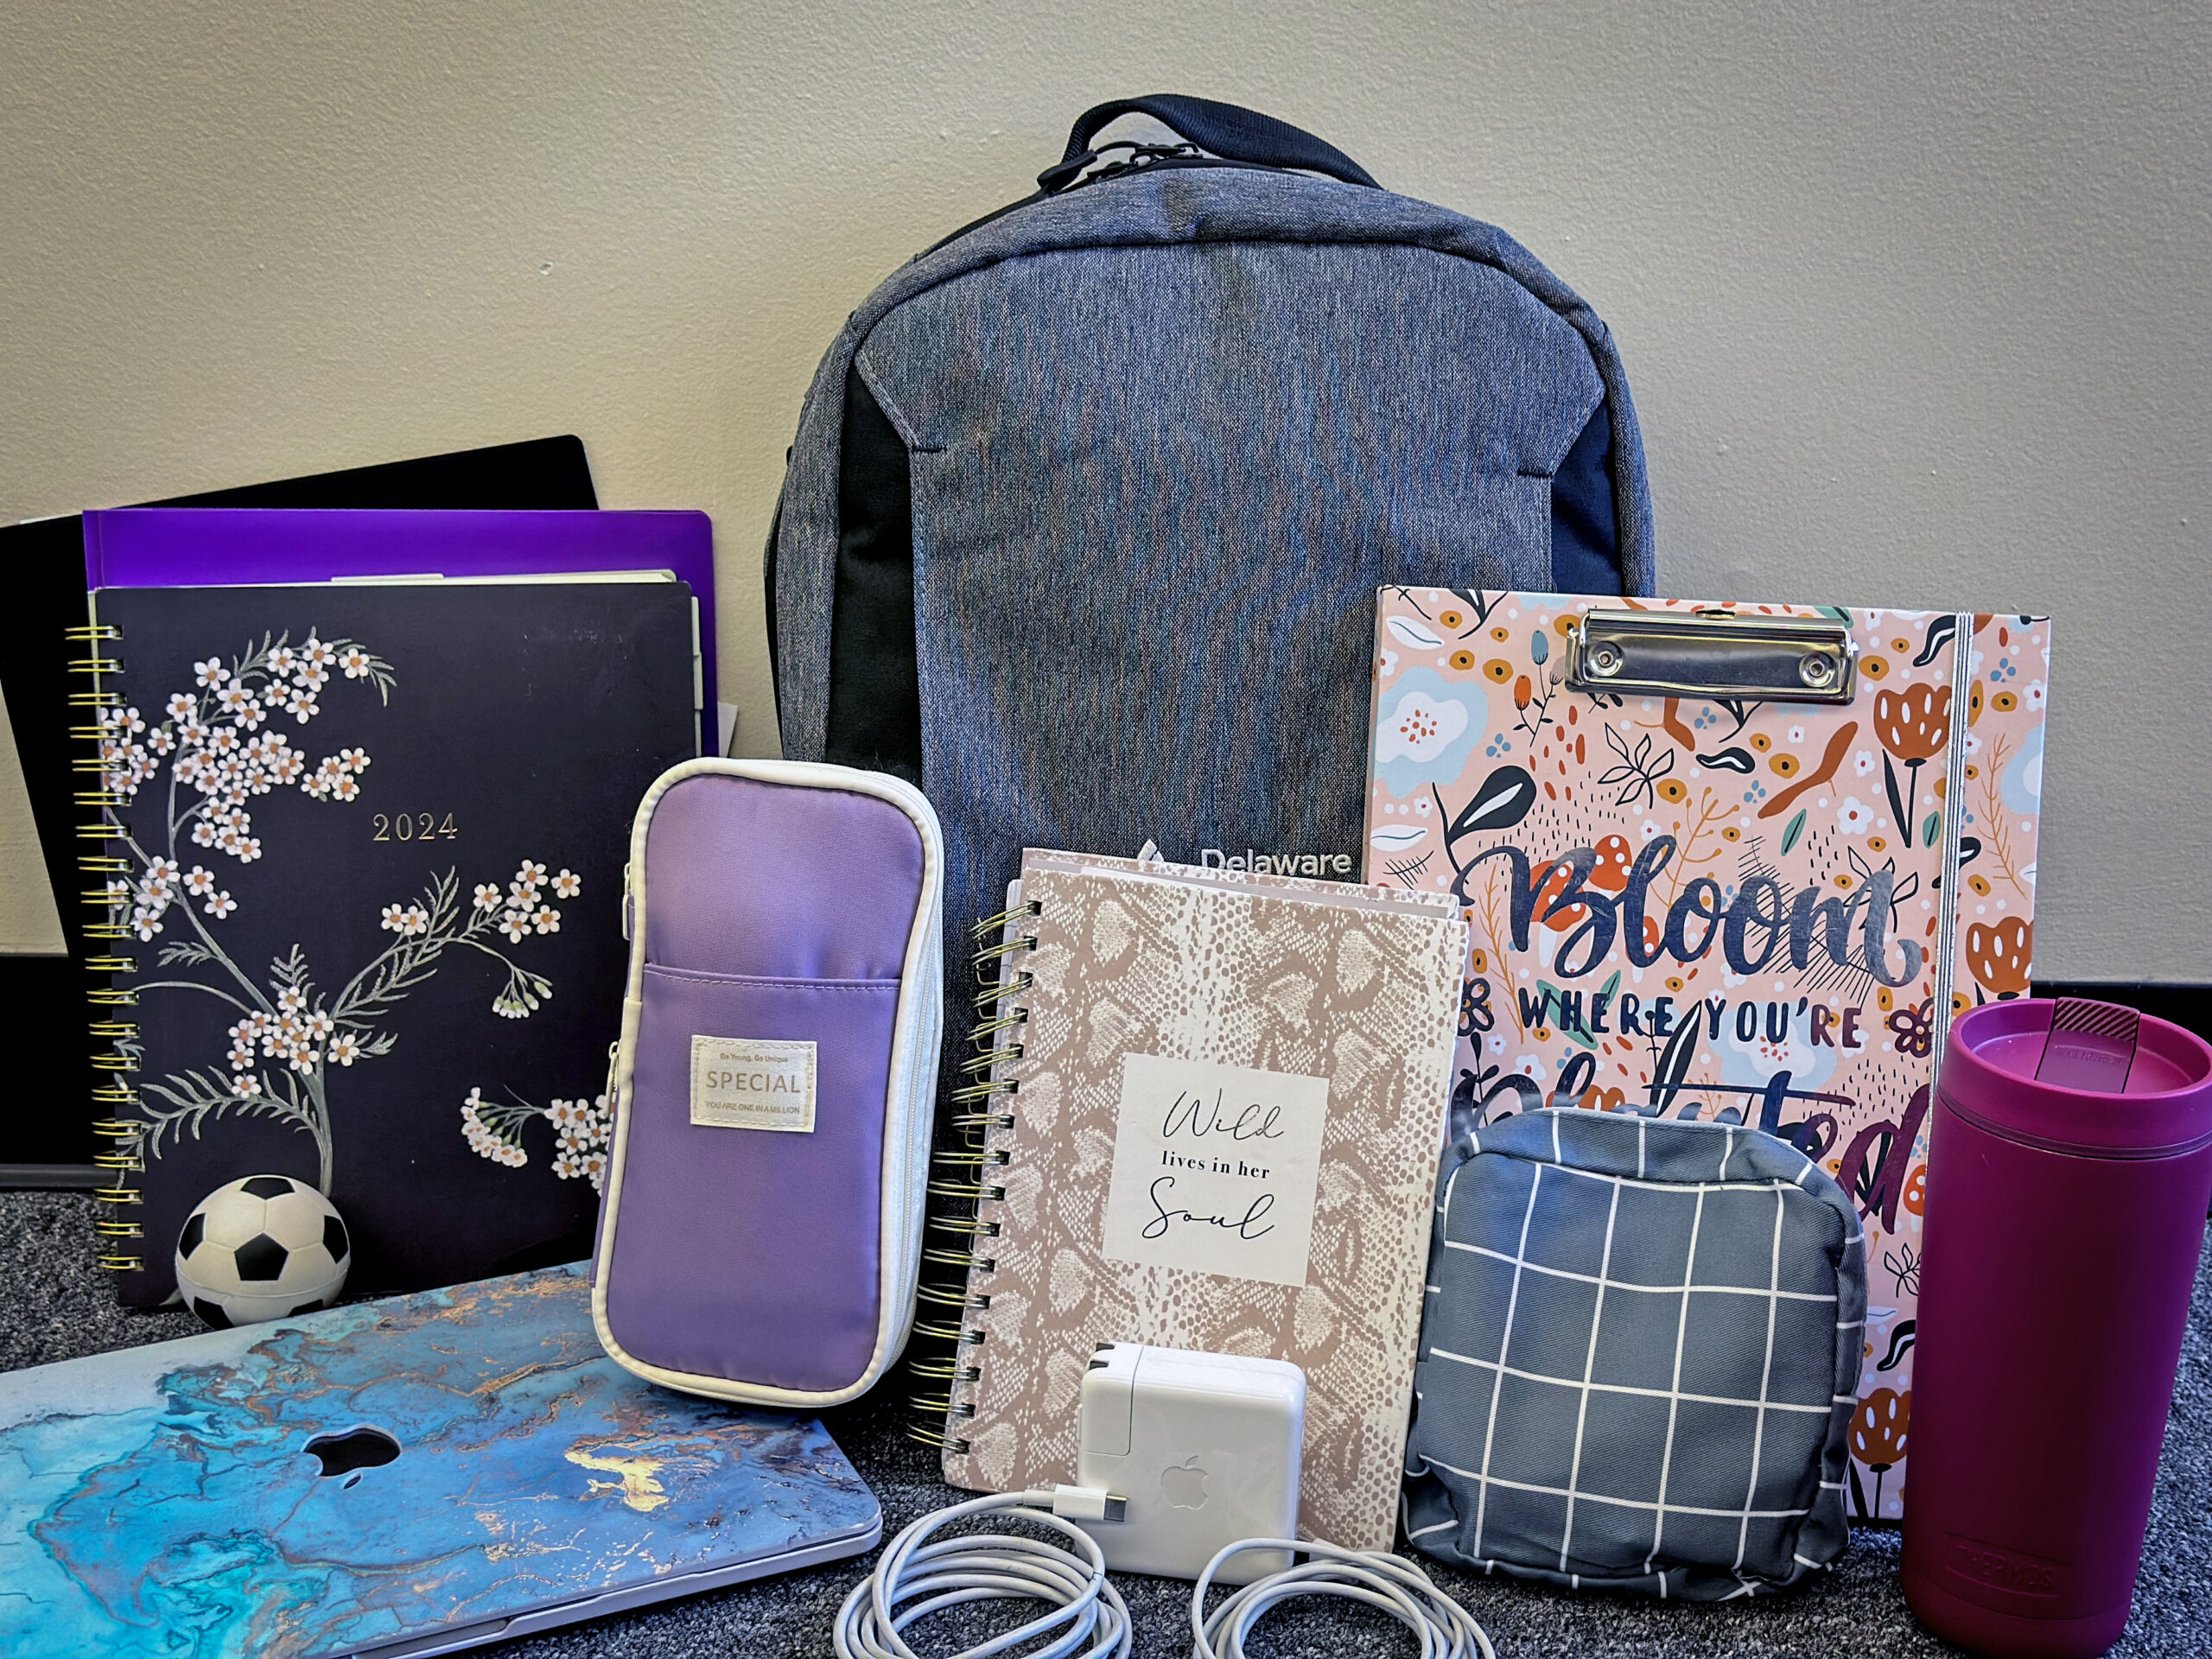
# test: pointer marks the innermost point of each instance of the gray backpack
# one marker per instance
(1090, 502)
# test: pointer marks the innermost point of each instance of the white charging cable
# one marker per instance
(1380, 1579)
(1088, 1612)
(994, 1567)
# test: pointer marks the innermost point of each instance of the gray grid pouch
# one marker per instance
(1639, 1358)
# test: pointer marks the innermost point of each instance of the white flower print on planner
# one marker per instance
(218, 741)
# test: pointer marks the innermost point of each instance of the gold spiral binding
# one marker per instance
(960, 1191)
(962, 1259)
(998, 993)
(972, 1226)
(944, 1370)
(947, 1331)
(939, 1404)
(112, 1089)
(991, 1028)
(990, 924)
(966, 1121)
(948, 1296)
(989, 959)
(977, 1064)
(994, 1159)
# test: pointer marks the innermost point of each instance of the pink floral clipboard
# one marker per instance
(1693, 893)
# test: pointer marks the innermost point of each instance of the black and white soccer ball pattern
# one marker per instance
(260, 1249)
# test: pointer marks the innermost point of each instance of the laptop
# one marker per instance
(395, 1479)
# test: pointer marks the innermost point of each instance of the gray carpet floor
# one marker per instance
(60, 1307)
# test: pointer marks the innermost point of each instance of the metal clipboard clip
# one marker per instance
(1712, 654)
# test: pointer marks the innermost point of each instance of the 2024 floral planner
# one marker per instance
(360, 843)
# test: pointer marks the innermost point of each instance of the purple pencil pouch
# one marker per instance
(760, 1235)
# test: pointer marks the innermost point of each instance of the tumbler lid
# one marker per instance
(2083, 1074)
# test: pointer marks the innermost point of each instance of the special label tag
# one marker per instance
(753, 1083)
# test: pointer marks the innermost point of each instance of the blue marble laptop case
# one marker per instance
(166, 1501)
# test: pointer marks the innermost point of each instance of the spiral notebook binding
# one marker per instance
(944, 1370)
(962, 1259)
(109, 902)
(963, 1186)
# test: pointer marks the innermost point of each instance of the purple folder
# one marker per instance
(174, 547)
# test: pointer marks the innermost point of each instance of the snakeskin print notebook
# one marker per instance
(1211, 1108)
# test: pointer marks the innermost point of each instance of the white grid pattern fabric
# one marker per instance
(1639, 1358)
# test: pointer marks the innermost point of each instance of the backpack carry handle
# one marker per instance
(1226, 131)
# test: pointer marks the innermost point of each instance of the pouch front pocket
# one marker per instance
(747, 1226)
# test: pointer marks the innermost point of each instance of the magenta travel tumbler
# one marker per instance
(2069, 1166)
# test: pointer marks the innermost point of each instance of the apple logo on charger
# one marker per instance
(1185, 1483)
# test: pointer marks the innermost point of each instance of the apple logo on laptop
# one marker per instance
(1185, 1483)
(352, 1451)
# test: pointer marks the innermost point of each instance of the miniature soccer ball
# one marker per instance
(260, 1248)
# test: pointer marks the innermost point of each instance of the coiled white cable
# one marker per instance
(1088, 1610)
(1389, 1582)
(992, 1567)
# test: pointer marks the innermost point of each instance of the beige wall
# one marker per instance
(1916, 300)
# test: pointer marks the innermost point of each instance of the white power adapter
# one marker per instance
(1188, 1468)
(1203, 1448)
